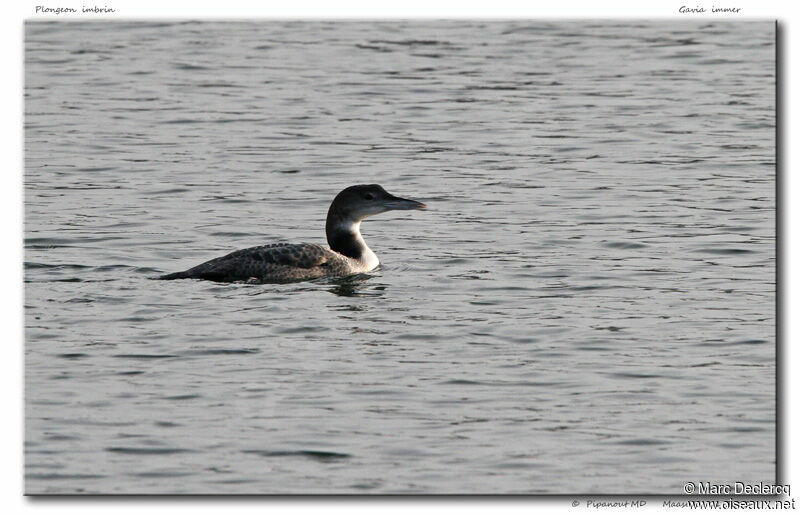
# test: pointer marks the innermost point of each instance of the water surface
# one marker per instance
(587, 305)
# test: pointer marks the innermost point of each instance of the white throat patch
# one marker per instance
(369, 260)
(349, 226)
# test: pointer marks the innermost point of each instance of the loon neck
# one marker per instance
(344, 237)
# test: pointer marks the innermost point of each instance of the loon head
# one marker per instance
(356, 203)
(350, 207)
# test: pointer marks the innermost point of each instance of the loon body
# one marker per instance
(285, 262)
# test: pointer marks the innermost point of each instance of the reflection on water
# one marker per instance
(355, 286)
(588, 306)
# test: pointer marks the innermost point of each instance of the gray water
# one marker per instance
(588, 305)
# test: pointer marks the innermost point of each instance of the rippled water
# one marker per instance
(587, 306)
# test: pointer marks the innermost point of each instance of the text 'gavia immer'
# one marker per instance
(286, 262)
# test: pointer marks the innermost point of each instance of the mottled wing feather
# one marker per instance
(280, 261)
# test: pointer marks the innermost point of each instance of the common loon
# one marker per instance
(285, 262)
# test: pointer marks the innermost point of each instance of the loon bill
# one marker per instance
(285, 262)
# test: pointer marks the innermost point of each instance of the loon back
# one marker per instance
(279, 262)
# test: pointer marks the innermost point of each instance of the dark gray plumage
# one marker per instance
(280, 261)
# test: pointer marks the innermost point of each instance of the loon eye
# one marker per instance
(369, 196)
